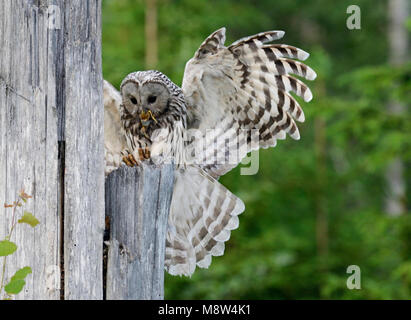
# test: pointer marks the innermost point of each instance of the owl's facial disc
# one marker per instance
(150, 97)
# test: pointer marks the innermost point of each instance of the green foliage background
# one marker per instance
(333, 176)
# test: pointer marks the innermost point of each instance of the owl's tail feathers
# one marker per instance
(203, 213)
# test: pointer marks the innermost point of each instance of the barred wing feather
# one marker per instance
(202, 214)
(241, 89)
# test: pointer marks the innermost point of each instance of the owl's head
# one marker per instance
(145, 91)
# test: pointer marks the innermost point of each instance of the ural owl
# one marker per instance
(233, 100)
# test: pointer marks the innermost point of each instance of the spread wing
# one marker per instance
(239, 97)
(114, 138)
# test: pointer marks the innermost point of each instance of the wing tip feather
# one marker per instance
(302, 55)
(280, 34)
(308, 96)
(311, 75)
(276, 35)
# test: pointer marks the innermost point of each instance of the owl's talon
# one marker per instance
(141, 154)
(144, 153)
(127, 161)
(132, 160)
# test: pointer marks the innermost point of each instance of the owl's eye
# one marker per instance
(151, 99)
(133, 100)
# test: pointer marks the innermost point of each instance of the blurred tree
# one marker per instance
(151, 34)
(398, 51)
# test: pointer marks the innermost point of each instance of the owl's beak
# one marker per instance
(146, 117)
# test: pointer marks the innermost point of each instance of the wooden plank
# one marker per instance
(51, 142)
(28, 141)
(84, 151)
(137, 202)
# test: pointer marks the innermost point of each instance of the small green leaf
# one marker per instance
(21, 274)
(14, 286)
(7, 248)
(29, 219)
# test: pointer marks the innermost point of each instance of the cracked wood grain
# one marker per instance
(51, 143)
(138, 203)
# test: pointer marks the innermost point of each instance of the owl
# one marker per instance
(233, 100)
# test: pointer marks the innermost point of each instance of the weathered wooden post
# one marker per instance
(137, 202)
(51, 142)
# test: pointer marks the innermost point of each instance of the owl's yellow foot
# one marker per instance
(130, 161)
(126, 161)
(143, 154)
